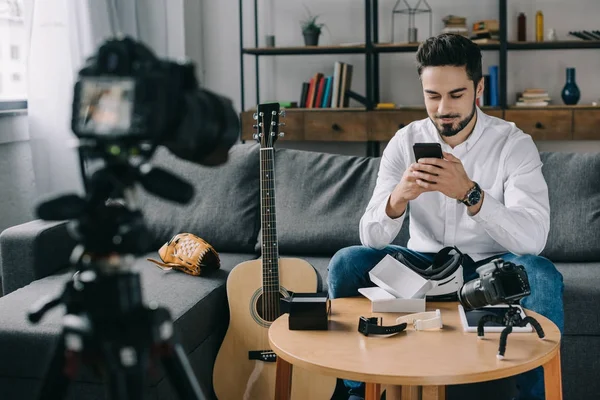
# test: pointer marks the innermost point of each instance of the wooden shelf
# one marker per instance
(577, 122)
(412, 47)
(555, 45)
(304, 50)
(555, 107)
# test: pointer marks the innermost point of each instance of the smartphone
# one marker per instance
(427, 150)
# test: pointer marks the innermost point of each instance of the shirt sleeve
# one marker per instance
(377, 229)
(520, 224)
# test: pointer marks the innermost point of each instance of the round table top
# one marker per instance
(441, 357)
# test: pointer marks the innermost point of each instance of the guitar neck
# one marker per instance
(270, 251)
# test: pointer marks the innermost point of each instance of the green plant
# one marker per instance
(310, 23)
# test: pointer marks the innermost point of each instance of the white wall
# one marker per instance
(282, 76)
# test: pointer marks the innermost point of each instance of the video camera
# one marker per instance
(499, 282)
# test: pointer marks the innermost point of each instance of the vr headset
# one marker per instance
(446, 271)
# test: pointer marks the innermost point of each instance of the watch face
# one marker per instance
(474, 197)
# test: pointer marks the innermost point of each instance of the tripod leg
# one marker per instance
(181, 375)
(536, 325)
(485, 319)
(59, 372)
(503, 338)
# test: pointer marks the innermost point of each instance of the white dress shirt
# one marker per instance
(504, 161)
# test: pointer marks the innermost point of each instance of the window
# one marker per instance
(13, 51)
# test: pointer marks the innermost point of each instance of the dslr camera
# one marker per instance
(126, 94)
(499, 282)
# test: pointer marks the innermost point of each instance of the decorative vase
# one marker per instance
(570, 93)
(311, 37)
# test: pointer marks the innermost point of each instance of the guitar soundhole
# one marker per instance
(267, 306)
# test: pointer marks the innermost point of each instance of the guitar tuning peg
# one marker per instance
(282, 124)
(255, 116)
(255, 136)
(282, 112)
(255, 126)
(281, 134)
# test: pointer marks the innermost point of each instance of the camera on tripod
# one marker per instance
(499, 282)
(126, 103)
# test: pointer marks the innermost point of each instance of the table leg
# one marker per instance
(553, 378)
(372, 391)
(283, 380)
(434, 393)
(393, 392)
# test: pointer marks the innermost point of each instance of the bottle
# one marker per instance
(522, 28)
(539, 27)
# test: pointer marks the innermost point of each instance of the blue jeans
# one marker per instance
(349, 270)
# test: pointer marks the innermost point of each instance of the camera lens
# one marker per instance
(472, 295)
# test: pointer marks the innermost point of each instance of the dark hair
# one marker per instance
(450, 49)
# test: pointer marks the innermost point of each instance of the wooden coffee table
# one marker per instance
(411, 363)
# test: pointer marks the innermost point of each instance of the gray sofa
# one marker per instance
(319, 198)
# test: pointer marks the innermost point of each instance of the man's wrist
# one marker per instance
(397, 209)
(466, 190)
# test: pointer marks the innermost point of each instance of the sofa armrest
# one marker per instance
(32, 251)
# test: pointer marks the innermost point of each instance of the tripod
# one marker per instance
(510, 319)
(106, 325)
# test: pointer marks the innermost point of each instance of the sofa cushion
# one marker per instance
(198, 305)
(581, 297)
(225, 209)
(320, 199)
(574, 191)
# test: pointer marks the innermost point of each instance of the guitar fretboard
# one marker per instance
(270, 251)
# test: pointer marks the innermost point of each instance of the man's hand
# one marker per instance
(446, 175)
(406, 190)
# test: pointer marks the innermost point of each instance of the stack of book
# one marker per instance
(328, 91)
(485, 31)
(533, 98)
(455, 24)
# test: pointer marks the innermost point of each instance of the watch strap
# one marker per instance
(373, 326)
(423, 321)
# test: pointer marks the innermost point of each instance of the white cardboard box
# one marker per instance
(399, 289)
(382, 301)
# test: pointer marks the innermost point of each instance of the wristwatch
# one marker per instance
(473, 196)
(373, 326)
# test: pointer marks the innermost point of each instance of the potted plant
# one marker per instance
(311, 30)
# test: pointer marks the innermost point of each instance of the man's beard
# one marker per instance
(449, 130)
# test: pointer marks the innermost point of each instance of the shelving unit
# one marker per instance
(372, 126)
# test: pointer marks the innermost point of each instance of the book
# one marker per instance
(327, 95)
(346, 84)
(494, 89)
(304, 93)
(337, 74)
(320, 89)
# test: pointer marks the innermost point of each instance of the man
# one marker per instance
(486, 197)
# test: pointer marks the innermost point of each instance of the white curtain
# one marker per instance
(63, 34)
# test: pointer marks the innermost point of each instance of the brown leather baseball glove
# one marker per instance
(188, 253)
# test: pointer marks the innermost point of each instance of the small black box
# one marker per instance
(307, 311)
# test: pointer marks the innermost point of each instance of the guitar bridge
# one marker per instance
(262, 355)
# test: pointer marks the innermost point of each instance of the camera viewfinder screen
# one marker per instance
(106, 106)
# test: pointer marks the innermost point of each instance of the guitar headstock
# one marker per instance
(267, 124)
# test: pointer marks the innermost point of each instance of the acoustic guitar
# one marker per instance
(245, 365)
